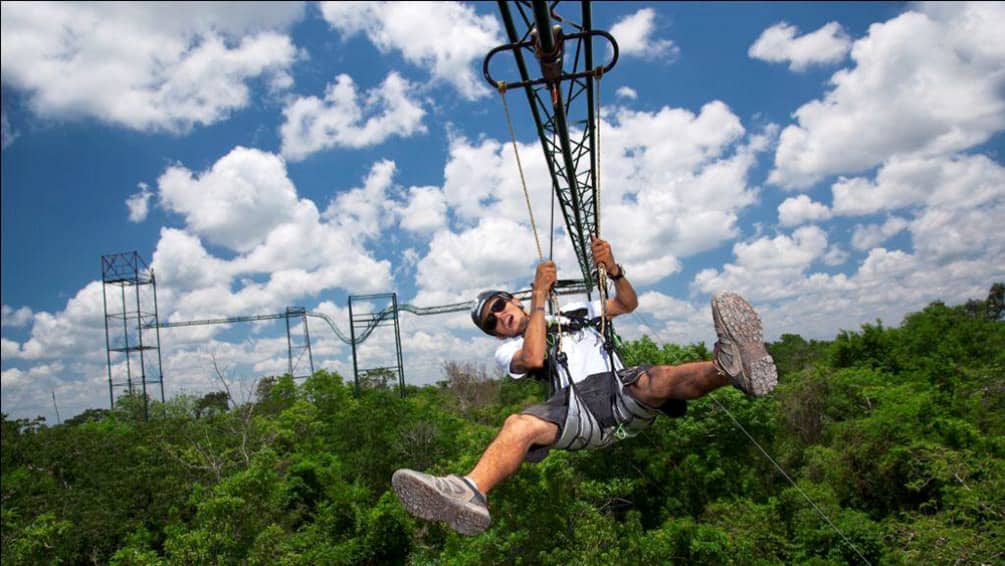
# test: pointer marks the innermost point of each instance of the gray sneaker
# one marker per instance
(451, 499)
(740, 353)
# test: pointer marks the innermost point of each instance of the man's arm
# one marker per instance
(624, 300)
(531, 356)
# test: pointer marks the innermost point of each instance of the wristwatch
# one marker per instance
(620, 275)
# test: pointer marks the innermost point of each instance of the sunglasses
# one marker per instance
(497, 307)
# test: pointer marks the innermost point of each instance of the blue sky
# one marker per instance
(835, 162)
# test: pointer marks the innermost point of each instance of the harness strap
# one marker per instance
(575, 321)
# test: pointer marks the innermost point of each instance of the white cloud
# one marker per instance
(44, 373)
(355, 270)
(783, 252)
(16, 317)
(868, 236)
(183, 264)
(674, 182)
(453, 37)
(138, 204)
(797, 210)
(668, 319)
(161, 67)
(247, 202)
(779, 43)
(7, 132)
(234, 204)
(634, 34)
(77, 332)
(345, 118)
(673, 141)
(955, 204)
(475, 174)
(9, 349)
(767, 267)
(835, 256)
(926, 83)
(626, 92)
(409, 258)
(958, 202)
(365, 210)
(953, 233)
(490, 255)
(426, 211)
(910, 181)
(887, 285)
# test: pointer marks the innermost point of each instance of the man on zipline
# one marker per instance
(592, 406)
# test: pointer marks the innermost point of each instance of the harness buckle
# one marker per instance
(563, 359)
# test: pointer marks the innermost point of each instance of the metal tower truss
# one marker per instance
(133, 356)
(368, 321)
(562, 104)
(296, 350)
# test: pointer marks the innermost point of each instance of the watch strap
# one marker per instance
(620, 275)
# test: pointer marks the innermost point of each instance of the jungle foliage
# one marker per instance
(897, 434)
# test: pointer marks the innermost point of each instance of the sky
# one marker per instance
(835, 163)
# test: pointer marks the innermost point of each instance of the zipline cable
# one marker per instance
(799, 489)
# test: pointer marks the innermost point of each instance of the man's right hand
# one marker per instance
(534, 350)
(545, 276)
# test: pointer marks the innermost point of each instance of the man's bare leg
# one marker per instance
(505, 454)
(683, 382)
(460, 501)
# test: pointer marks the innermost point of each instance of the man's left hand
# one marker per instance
(602, 255)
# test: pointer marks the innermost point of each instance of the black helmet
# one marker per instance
(479, 305)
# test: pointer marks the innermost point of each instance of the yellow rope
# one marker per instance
(519, 165)
(596, 205)
(553, 296)
(601, 270)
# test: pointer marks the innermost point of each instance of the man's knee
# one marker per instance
(528, 427)
(644, 388)
(522, 423)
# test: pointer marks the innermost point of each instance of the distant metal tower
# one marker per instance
(142, 368)
(368, 322)
(304, 347)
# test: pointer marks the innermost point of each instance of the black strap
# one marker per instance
(575, 320)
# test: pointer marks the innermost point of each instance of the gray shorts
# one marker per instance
(590, 413)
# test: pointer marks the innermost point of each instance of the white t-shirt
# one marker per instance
(584, 348)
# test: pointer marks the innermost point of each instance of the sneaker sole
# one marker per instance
(743, 325)
(425, 501)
